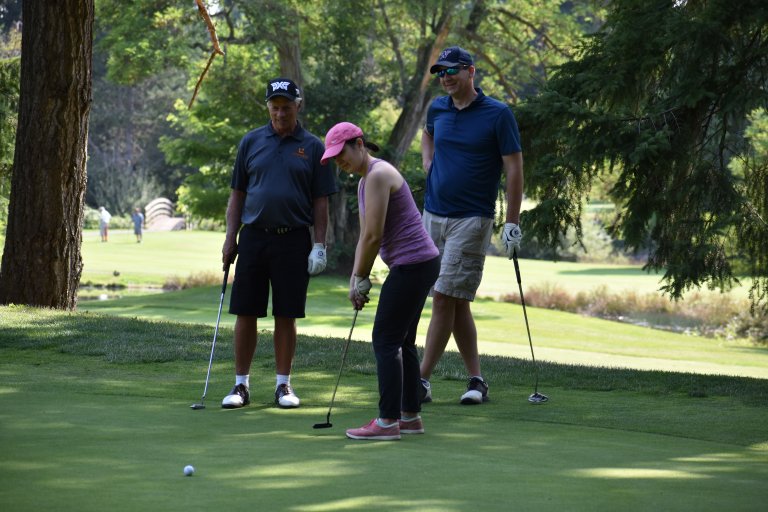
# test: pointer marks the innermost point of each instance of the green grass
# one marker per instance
(161, 255)
(94, 405)
(557, 336)
(182, 253)
(94, 415)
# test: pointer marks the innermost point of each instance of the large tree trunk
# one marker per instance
(417, 96)
(343, 232)
(289, 54)
(42, 263)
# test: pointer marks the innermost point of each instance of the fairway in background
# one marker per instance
(160, 256)
(557, 336)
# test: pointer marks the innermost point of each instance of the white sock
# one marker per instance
(380, 423)
(242, 379)
(282, 379)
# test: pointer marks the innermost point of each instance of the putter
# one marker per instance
(328, 423)
(201, 405)
(536, 397)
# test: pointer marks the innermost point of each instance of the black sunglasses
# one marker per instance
(450, 71)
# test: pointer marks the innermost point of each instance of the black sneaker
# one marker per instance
(477, 392)
(285, 397)
(425, 391)
(236, 398)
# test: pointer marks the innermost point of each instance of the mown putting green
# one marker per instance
(94, 415)
(94, 452)
(94, 410)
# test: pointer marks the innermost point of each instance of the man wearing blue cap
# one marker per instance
(279, 192)
(468, 140)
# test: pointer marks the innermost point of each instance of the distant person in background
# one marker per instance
(104, 218)
(138, 223)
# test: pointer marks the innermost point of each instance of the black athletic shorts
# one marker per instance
(267, 258)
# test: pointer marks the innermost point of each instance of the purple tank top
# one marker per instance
(404, 241)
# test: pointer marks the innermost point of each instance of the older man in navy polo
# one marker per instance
(278, 204)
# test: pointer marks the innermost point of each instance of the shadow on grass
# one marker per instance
(327, 305)
(138, 341)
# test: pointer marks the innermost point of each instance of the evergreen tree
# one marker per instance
(660, 97)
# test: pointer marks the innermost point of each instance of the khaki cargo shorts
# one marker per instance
(462, 244)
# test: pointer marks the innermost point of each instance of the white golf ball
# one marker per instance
(189, 470)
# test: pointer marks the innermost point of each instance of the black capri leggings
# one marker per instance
(394, 335)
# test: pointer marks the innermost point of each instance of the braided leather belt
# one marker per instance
(278, 231)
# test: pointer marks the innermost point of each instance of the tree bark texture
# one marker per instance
(343, 231)
(417, 97)
(42, 262)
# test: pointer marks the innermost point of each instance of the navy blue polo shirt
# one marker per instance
(469, 143)
(281, 176)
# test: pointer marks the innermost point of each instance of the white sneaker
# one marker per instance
(477, 392)
(285, 397)
(236, 398)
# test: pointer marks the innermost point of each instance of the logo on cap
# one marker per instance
(280, 85)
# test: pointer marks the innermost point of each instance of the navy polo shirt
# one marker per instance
(463, 180)
(281, 176)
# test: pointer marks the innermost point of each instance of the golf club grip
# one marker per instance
(517, 266)
(226, 277)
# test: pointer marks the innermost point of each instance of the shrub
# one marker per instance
(546, 296)
(748, 325)
(192, 281)
(207, 224)
(701, 314)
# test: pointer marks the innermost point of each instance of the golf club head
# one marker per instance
(197, 406)
(538, 398)
(322, 425)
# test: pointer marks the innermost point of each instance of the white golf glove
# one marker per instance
(511, 238)
(317, 260)
(362, 285)
(359, 287)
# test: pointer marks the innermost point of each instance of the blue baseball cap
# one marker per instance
(452, 57)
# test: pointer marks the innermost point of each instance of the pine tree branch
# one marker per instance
(535, 30)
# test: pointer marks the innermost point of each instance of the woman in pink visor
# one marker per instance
(390, 226)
